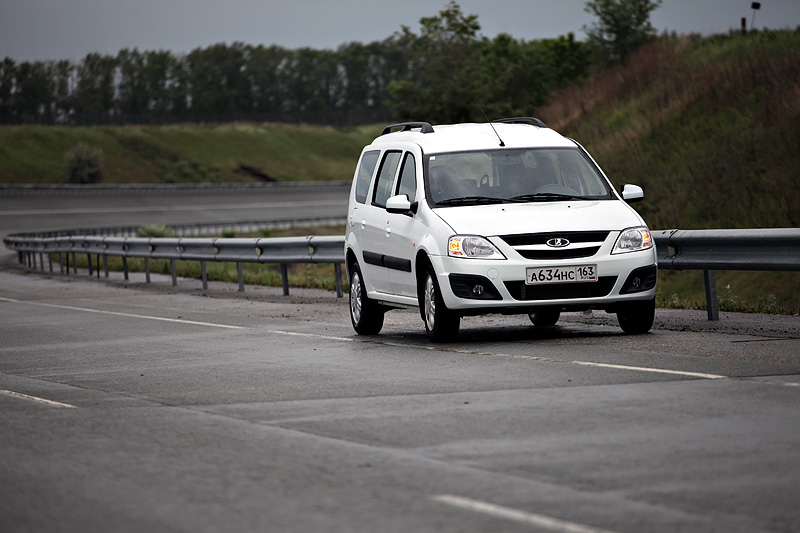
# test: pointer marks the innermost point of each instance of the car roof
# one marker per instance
(466, 137)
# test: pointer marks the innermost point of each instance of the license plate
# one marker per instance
(569, 274)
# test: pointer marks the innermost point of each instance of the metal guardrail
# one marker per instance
(770, 249)
(282, 251)
(706, 250)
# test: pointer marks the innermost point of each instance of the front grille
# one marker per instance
(559, 253)
(519, 290)
(521, 244)
(528, 239)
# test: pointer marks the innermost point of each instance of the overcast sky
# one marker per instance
(69, 29)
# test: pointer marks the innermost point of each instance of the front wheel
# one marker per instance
(637, 317)
(366, 315)
(440, 323)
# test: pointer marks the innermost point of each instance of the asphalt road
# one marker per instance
(30, 211)
(134, 407)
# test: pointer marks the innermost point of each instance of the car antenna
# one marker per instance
(490, 123)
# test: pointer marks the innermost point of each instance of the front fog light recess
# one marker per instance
(472, 246)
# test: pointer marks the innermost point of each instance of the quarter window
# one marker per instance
(408, 178)
(364, 174)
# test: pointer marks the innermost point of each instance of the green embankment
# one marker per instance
(710, 128)
(185, 153)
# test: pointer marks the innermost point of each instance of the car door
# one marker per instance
(402, 229)
(374, 223)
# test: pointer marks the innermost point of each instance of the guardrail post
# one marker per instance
(41, 261)
(125, 266)
(147, 270)
(89, 260)
(74, 263)
(337, 271)
(204, 276)
(50, 261)
(61, 263)
(285, 278)
(712, 306)
(174, 270)
(66, 258)
(240, 274)
(105, 264)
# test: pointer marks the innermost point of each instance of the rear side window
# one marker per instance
(365, 169)
(383, 187)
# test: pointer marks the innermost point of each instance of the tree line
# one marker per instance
(445, 73)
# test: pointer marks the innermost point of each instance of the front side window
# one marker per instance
(383, 186)
(513, 175)
(364, 175)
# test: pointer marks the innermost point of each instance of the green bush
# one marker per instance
(154, 231)
(85, 164)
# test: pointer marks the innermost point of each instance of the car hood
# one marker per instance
(539, 217)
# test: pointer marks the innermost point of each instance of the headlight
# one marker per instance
(632, 240)
(472, 246)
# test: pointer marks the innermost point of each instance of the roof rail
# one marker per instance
(522, 120)
(425, 127)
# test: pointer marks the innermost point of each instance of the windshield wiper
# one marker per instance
(546, 196)
(474, 200)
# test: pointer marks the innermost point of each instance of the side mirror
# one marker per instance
(400, 205)
(632, 193)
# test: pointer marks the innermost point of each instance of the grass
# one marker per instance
(186, 153)
(710, 128)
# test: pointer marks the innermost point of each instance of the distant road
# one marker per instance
(42, 211)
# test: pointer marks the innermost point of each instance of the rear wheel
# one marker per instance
(545, 317)
(637, 317)
(440, 323)
(366, 315)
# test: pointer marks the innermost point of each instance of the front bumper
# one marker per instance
(474, 285)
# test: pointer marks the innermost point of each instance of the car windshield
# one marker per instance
(512, 175)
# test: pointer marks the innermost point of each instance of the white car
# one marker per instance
(502, 217)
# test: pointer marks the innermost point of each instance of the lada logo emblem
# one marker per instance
(557, 242)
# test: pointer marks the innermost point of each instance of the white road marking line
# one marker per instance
(700, 375)
(148, 209)
(657, 370)
(538, 520)
(315, 335)
(513, 356)
(51, 403)
(128, 315)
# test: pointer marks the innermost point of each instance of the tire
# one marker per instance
(366, 315)
(441, 324)
(636, 318)
(545, 317)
